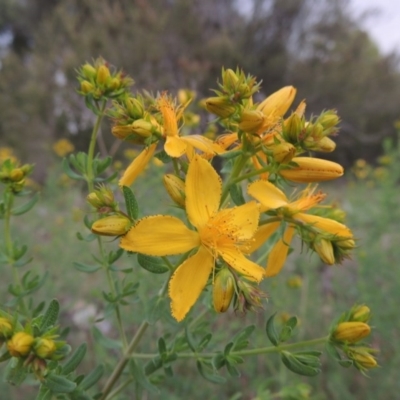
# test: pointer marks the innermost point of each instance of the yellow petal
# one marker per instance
(242, 221)
(268, 195)
(137, 166)
(278, 254)
(203, 191)
(236, 259)
(264, 232)
(325, 224)
(202, 143)
(188, 281)
(175, 146)
(160, 235)
(227, 139)
(278, 102)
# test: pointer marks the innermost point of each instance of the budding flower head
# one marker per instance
(323, 247)
(360, 313)
(20, 344)
(44, 347)
(283, 152)
(351, 331)
(102, 199)
(113, 225)
(223, 290)
(175, 188)
(6, 328)
(251, 120)
(220, 106)
(362, 357)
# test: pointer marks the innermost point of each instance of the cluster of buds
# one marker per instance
(311, 135)
(228, 288)
(347, 335)
(102, 199)
(98, 82)
(14, 175)
(33, 350)
(235, 89)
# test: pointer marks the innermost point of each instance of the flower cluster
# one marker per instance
(347, 335)
(261, 147)
(13, 174)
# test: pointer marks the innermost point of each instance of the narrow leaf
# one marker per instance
(92, 378)
(131, 203)
(152, 264)
(237, 194)
(58, 384)
(86, 268)
(271, 332)
(50, 316)
(137, 372)
(75, 359)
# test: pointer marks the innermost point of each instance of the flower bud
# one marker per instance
(283, 152)
(88, 71)
(351, 331)
(20, 344)
(325, 144)
(251, 120)
(362, 359)
(220, 106)
(103, 73)
(103, 197)
(44, 348)
(175, 188)
(312, 170)
(142, 128)
(113, 225)
(324, 249)
(16, 175)
(229, 79)
(292, 128)
(134, 107)
(360, 314)
(279, 102)
(328, 119)
(6, 328)
(86, 87)
(223, 290)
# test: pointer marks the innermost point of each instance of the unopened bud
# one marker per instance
(134, 107)
(251, 120)
(86, 87)
(362, 359)
(142, 128)
(310, 169)
(44, 348)
(229, 79)
(6, 328)
(88, 71)
(113, 225)
(16, 175)
(360, 313)
(103, 73)
(220, 106)
(324, 249)
(20, 344)
(223, 290)
(325, 144)
(351, 331)
(283, 152)
(292, 128)
(175, 188)
(329, 119)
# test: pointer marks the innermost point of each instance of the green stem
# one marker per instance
(124, 360)
(92, 145)
(250, 352)
(250, 175)
(9, 201)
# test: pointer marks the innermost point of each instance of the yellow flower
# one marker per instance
(225, 233)
(63, 147)
(20, 344)
(272, 198)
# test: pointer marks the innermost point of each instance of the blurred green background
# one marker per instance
(165, 45)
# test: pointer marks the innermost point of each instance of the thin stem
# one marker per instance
(249, 352)
(9, 201)
(124, 360)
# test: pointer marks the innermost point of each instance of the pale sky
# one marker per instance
(384, 27)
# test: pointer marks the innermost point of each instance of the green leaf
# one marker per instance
(243, 335)
(137, 372)
(237, 194)
(89, 238)
(209, 374)
(190, 339)
(16, 373)
(219, 360)
(104, 341)
(44, 393)
(233, 371)
(297, 365)
(107, 179)
(22, 209)
(162, 347)
(230, 154)
(75, 359)
(115, 255)
(345, 363)
(271, 332)
(101, 165)
(50, 316)
(152, 264)
(204, 342)
(163, 156)
(92, 378)
(86, 268)
(155, 309)
(69, 172)
(131, 203)
(332, 351)
(58, 384)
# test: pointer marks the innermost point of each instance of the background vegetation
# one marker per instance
(165, 45)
